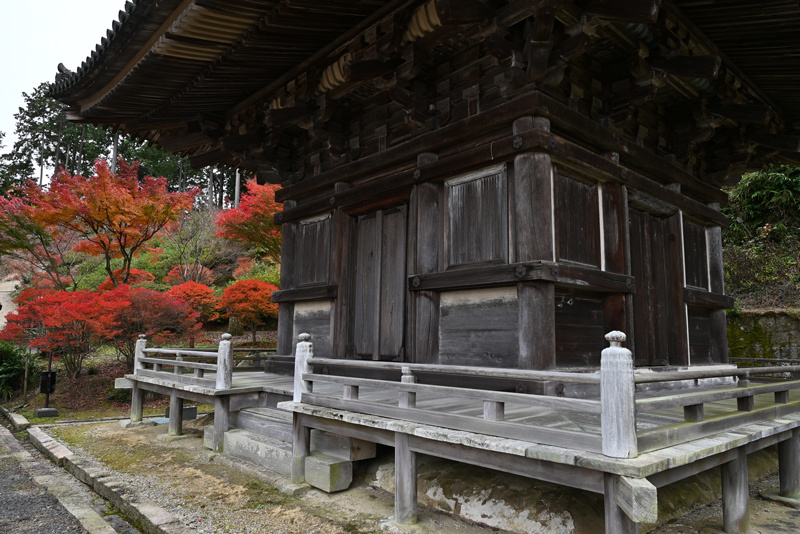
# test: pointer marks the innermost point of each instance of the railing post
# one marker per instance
(617, 396)
(408, 399)
(304, 351)
(224, 363)
(141, 344)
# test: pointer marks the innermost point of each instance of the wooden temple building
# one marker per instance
(475, 192)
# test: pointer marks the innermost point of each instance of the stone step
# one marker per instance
(262, 450)
(328, 473)
(268, 422)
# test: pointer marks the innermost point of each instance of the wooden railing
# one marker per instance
(184, 366)
(639, 411)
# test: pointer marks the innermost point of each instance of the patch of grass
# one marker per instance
(261, 495)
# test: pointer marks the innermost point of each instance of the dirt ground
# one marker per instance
(212, 495)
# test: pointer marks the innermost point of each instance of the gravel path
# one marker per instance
(26, 506)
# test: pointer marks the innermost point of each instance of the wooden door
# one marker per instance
(380, 285)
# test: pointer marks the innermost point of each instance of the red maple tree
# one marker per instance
(250, 301)
(200, 297)
(252, 223)
(135, 276)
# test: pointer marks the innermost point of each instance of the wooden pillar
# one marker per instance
(303, 351)
(735, 495)
(534, 240)
(221, 422)
(424, 236)
(137, 403)
(718, 326)
(676, 309)
(224, 363)
(789, 466)
(537, 333)
(616, 520)
(301, 448)
(286, 309)
(405, 481)
(175, 415)
(343, 274)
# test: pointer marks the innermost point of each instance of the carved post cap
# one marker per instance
(142, 336)
(226, 336)
(304, 337)
(616, 338)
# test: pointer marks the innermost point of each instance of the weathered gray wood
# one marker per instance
(559, 403)
(615, 519)
(408, 399)
(221, 422)
(618, 419)
(577, 221)
(350, 393)
(405, 477)
(567, 475)
(312, 252)
(317, 292)
(688, 398)
(746, 403)
(343, 313)
(735, 495)
(137, 402)
(141, 345)
(638, 499)
(305, 351)
(536, 325)
(693, 413)
(175, 416)
(517, 374)
(301, 448)
(224, 363)
(546, 436)
(493, 411)
(425, 225)
(286, 310)
(177, 364)
(195, 353)
(789, 465)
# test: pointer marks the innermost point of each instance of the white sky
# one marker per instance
(37, 35)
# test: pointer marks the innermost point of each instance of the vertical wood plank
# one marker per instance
(424, 305)
(735, 495)
(533, 207)
(286, 310)
(137, 403)
(393, 284)
(718, 327)
(343, 276)
(405, 481)
(612, 199)
(615, 519)
(301, 448)
(789, 466)
(221, 422)
(536, 325)
(366, 286)
(175, 416)
(677, 325)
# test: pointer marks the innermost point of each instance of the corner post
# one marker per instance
(405, 480)
(137, 393)
(617, 395)
(789, 466)
(305, 351)
(736, 495)
(301, 448)
(221, 422)
(141, 344)
(224, 363)
(175, 415)
(616, 521)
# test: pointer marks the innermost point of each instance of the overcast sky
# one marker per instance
(37, 35)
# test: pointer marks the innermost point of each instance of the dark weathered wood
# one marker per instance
(286, 310)
(695, 255)
(579, 330)
(533, 207)
(313, 252)
(736, 495)
(707, 67)
(536, 325)
(306, 293)
(789, 465)
(344, 313)
(707, 299)
(577, 222)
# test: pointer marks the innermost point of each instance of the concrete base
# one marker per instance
(774, 496)
(341, 446)
(46, 412)
(328, 473)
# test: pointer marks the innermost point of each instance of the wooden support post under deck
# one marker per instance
(405, 481)
(301, 448)
(137, 403)
(735, 495)
(789, 466)
(616, 520)
(175, 415)
(221, 422)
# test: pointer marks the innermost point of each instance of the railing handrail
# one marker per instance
(588, 377)
(645, 377)
(223, 366)
(180, 363)
(184, 352)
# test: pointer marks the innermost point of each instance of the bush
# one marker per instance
(12, 369)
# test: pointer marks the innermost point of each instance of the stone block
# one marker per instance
(261, 450)
(189, 413)
(46, 412)
(341, 446)
(208, 437)
(18, 421)
(328, 473)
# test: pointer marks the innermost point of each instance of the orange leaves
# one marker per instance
(199, 296)
(250, 301)
(252, 223)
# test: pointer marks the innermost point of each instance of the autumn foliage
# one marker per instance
(252, 222)
(69, 325)
(135, 276)
(250, 301)
(199, 296)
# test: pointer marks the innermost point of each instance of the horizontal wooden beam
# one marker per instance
(706, 67)
(644, 11)
(638, 499)
(306, 293)
(748, 113)
(786, 143)
(697, 297)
